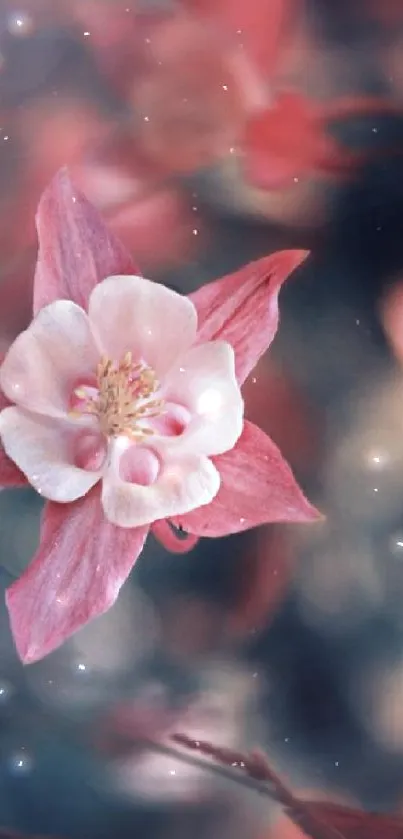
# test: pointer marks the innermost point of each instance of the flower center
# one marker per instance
(122, 398)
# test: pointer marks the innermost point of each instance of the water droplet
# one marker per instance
(6, 691)
(396, 545)
(20, 762)
(377, 459)
(19, 24)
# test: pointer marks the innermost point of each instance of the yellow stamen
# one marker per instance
(123, 398)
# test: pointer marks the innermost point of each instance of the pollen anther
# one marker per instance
(121, 398)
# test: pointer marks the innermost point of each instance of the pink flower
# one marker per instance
(122, 407)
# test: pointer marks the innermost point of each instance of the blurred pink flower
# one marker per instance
(260, 27)
(288, 141)
(128, 411)
(192, 94)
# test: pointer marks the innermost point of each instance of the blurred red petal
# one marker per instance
(275, 403)
(81, 563)
(257, 487)
(119, 35)
(392, 318)
(76, 248)
(261, 582)
(260, 26)
(130, 725)
(287, 141)
(190, 100)
(242, 308)
(157, 227)
(16, 280)
(389, 13)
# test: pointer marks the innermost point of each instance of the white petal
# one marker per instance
(205, 384)
(152, 322)
(53, 355)
(183, 484)
(44, 450)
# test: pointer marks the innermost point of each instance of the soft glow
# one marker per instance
(210, 401)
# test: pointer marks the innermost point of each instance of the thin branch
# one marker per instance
(256, 767)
